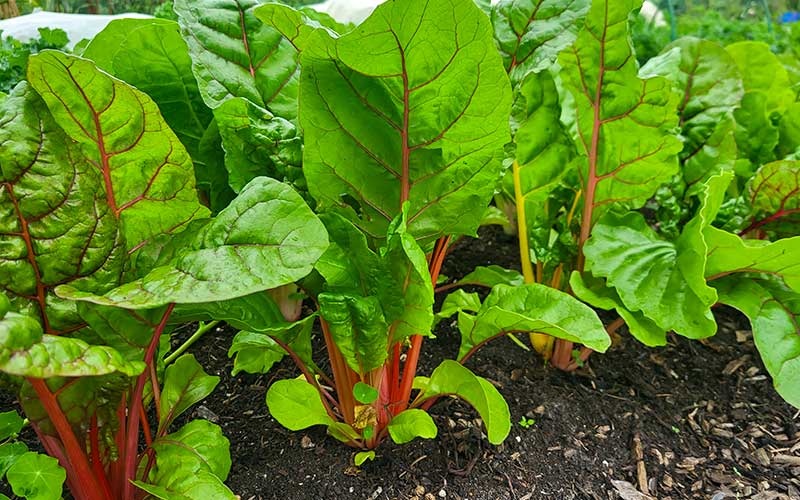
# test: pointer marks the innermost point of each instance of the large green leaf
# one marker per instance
(413, 106)
(757, 134)
(147, 175)
(774, 196)
(57, 226)
(236, 55)
(151, 55)
(24, 351)
(452, 378)
(532, 308)
(708, 78)
(358, 328)
(258, 143)
(256, 352)
(185, 384)
(36, 477)
(298, 26)
(613, 106)
(774, 313)
(531, 33)
(266, 238)
(663, 280)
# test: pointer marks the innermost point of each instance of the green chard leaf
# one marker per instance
(612, 105)
(266, 238)
(372, 300)
(148, 176)
(708, 78)
(532, 308)
(191, 463)
(531, 33)
(57, 225)
(774, 314)
(489, 276)
(256, 352)
(235, 55)
(411, 106)
(452, 378)
(297, 26)
(663, 280)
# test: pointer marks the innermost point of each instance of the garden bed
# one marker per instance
(706, 415)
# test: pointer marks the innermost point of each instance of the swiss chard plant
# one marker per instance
(404, 121)
(99, 200)
(572, 63)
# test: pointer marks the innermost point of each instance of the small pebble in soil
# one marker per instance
(442, 493)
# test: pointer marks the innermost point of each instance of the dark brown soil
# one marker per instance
(691, 420)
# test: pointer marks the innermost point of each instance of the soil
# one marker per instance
(690, 420)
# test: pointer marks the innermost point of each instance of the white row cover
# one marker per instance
(77, 26)
(80, 26)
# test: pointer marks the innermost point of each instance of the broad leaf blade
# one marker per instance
(148, 176)
(411, 424)
(531, 33)
(58, 226)
(36, 477)
(774, 195)
(613, 104)
(235, 55)
(266, 238)
(411, 106)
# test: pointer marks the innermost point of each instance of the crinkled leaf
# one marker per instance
(789, 130)
(257, 143)
(757, 133)
(128, 332)
(708, 79)
(266, 238)
(56, 222)
(185, 384)
(412, 105)
(24, 351)
(296, 405)
(411, 424)
(452, 378)
(212, 178)
(151, 55)
(774, 196)
(36, 477)
(663, 280)
(532, 308)
(597, 293)
(613, 105)
(531, 33)
(147, 173)
(235, 55)
(372, 297)
(774, 314)
(297, 26)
